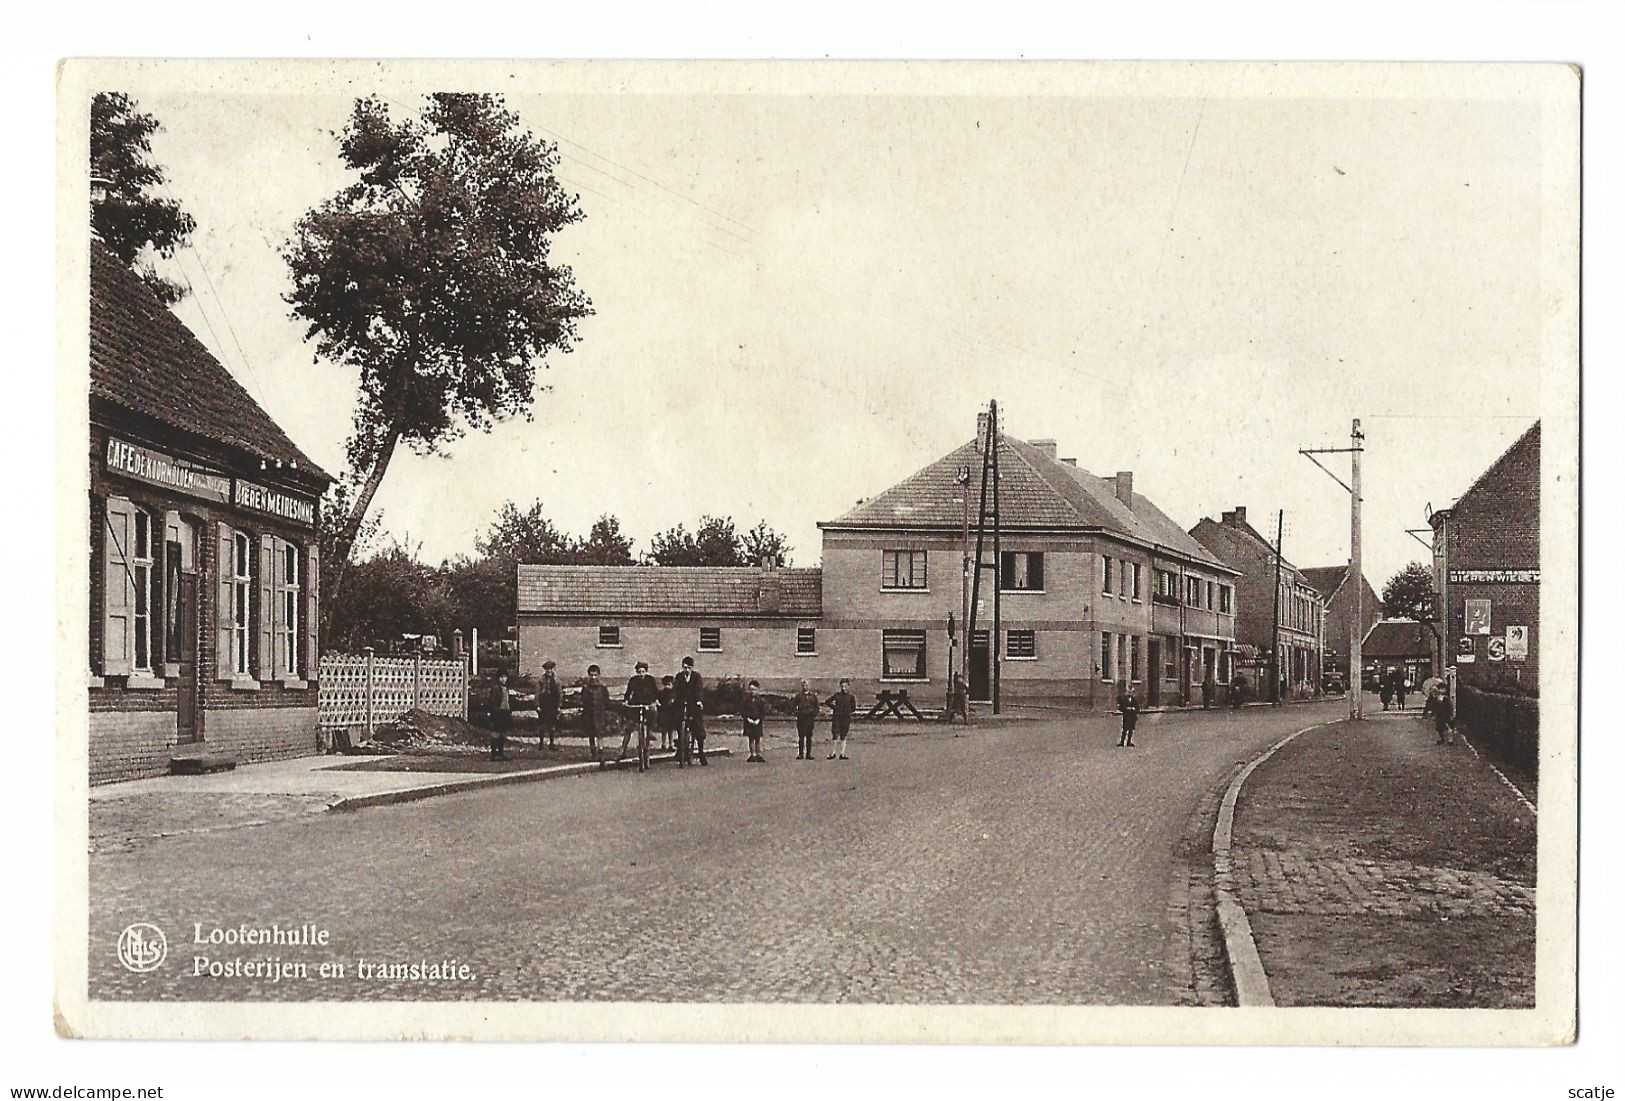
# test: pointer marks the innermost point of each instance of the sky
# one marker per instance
(801, 299)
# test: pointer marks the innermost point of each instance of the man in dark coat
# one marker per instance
(841, 706)
(691, 702)
(806, 705)
(1130, 708)
(549, 697)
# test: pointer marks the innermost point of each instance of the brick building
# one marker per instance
(203, 550)
(1486, 573)
(1401, 644)
(1302, 609)
(1098, 588)
(1339, 600)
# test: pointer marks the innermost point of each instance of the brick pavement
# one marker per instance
(1378, 868)
(1030, 862)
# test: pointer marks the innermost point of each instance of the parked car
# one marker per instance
(1333, 682)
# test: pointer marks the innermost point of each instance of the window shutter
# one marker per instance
(118, 588)
(313, 588)
(266, 669)
(224, 666)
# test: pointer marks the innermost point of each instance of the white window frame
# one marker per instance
(242, 604)
(1010, 643)
(1106, 575)
(1106, 669)
(901, 639)
(291, 594)
(811, 636)
(1136, 595)
(141, 570)
(919, 581)
(701, 647)
(1134, 659)
(614, 630)
(1027, 557)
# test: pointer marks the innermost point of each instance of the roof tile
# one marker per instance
(667, 590)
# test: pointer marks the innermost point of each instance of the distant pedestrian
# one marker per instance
(1386, 691)
(753, 709)
(1207, 692)
(1429, 687)
(642, 696)
(1238, 690)
(594, 709)
(841, 707)
(691, 704)
(806, 705)
(549, 699)
(958, 699)
(1402, 686)
(501, 718)
(669, 712)
(1130, 709)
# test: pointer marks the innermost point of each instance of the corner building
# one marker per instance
(1100, 590)
(204, 567)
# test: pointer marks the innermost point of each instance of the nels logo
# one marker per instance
(142, 947)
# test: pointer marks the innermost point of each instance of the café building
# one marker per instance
(204, 565)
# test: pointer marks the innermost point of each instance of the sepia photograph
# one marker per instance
(879, 551)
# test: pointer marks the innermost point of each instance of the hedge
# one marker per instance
(1502, 725)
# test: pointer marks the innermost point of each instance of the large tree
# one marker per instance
(126, 211)
(1409, 594)
(431, 275)
(527, 536)
(717, 542)
(604, 545)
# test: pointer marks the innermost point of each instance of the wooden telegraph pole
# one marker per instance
(1356, 660)
(985, 513)
(1275, 617)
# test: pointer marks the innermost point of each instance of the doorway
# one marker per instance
(182, 626)
(981, 686)
(1153, 672)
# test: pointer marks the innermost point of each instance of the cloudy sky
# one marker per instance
(801, 298)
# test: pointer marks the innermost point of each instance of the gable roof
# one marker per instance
(668, 590)
(1325, 580)
(1396, 638)
(1035, 492)
(144, 359)
(1532, 431)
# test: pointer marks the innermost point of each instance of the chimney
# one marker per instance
(1125, 487)
(769, 589)
(1234, 517)
(1070, 462)
(1048, 447)
(981, 429)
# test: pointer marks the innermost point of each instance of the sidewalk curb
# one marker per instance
(1247, 975)
(429, 791)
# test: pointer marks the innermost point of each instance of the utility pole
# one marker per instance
(998, 555)
(990, 481)
(1356, 662)
(964, 591)
(1275, 616)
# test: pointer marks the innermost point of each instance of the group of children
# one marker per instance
(673, 706)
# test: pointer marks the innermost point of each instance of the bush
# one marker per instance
(1505, 726)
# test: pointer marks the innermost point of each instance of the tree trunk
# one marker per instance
(358, 513)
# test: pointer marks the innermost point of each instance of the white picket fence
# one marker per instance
(364, 691)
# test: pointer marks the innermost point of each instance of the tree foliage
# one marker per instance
(1409, 594)
(126, 212)
(527, 536)
(717, 542)
(431, 275)
(388, 595)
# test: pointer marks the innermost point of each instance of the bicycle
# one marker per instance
(643, 723)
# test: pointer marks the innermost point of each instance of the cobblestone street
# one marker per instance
(1029, 861)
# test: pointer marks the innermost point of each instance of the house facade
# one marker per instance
(1297, 645)
(1340, 598)
(1403, 645)
(1486, 573)
(204, 567)
(1099, 591)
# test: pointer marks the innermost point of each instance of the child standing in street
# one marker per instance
(549, 697)
(806, 703)
(668, 711)
(501, 718)
(1130, 707)
(841, 706)
(594, 709)
(753, 709)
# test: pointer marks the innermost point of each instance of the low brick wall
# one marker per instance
(263, 734)
(127, 744)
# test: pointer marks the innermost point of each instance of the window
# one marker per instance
(711, 639)
(1167, 587)
(242, 565)
(1021, 571)
(1106, 583)
(1020, 645)
(902, 655)
(289, 627)
(1122, 578)
(1121, 664)
(1193, 591)
(1136, 592)
(1210, 594)
(1105, 655)
(141, 575)
(806, 640)
(1134, 657)
(1224, 598)
(902, 569)
(609, 634)
(1170, 650)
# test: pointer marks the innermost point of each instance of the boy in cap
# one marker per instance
(594, 709)
(753, 709)
(1130, 707)
(691, 700)
(806, 704)
(549, 697)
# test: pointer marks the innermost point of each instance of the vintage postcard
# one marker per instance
(923, 552)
